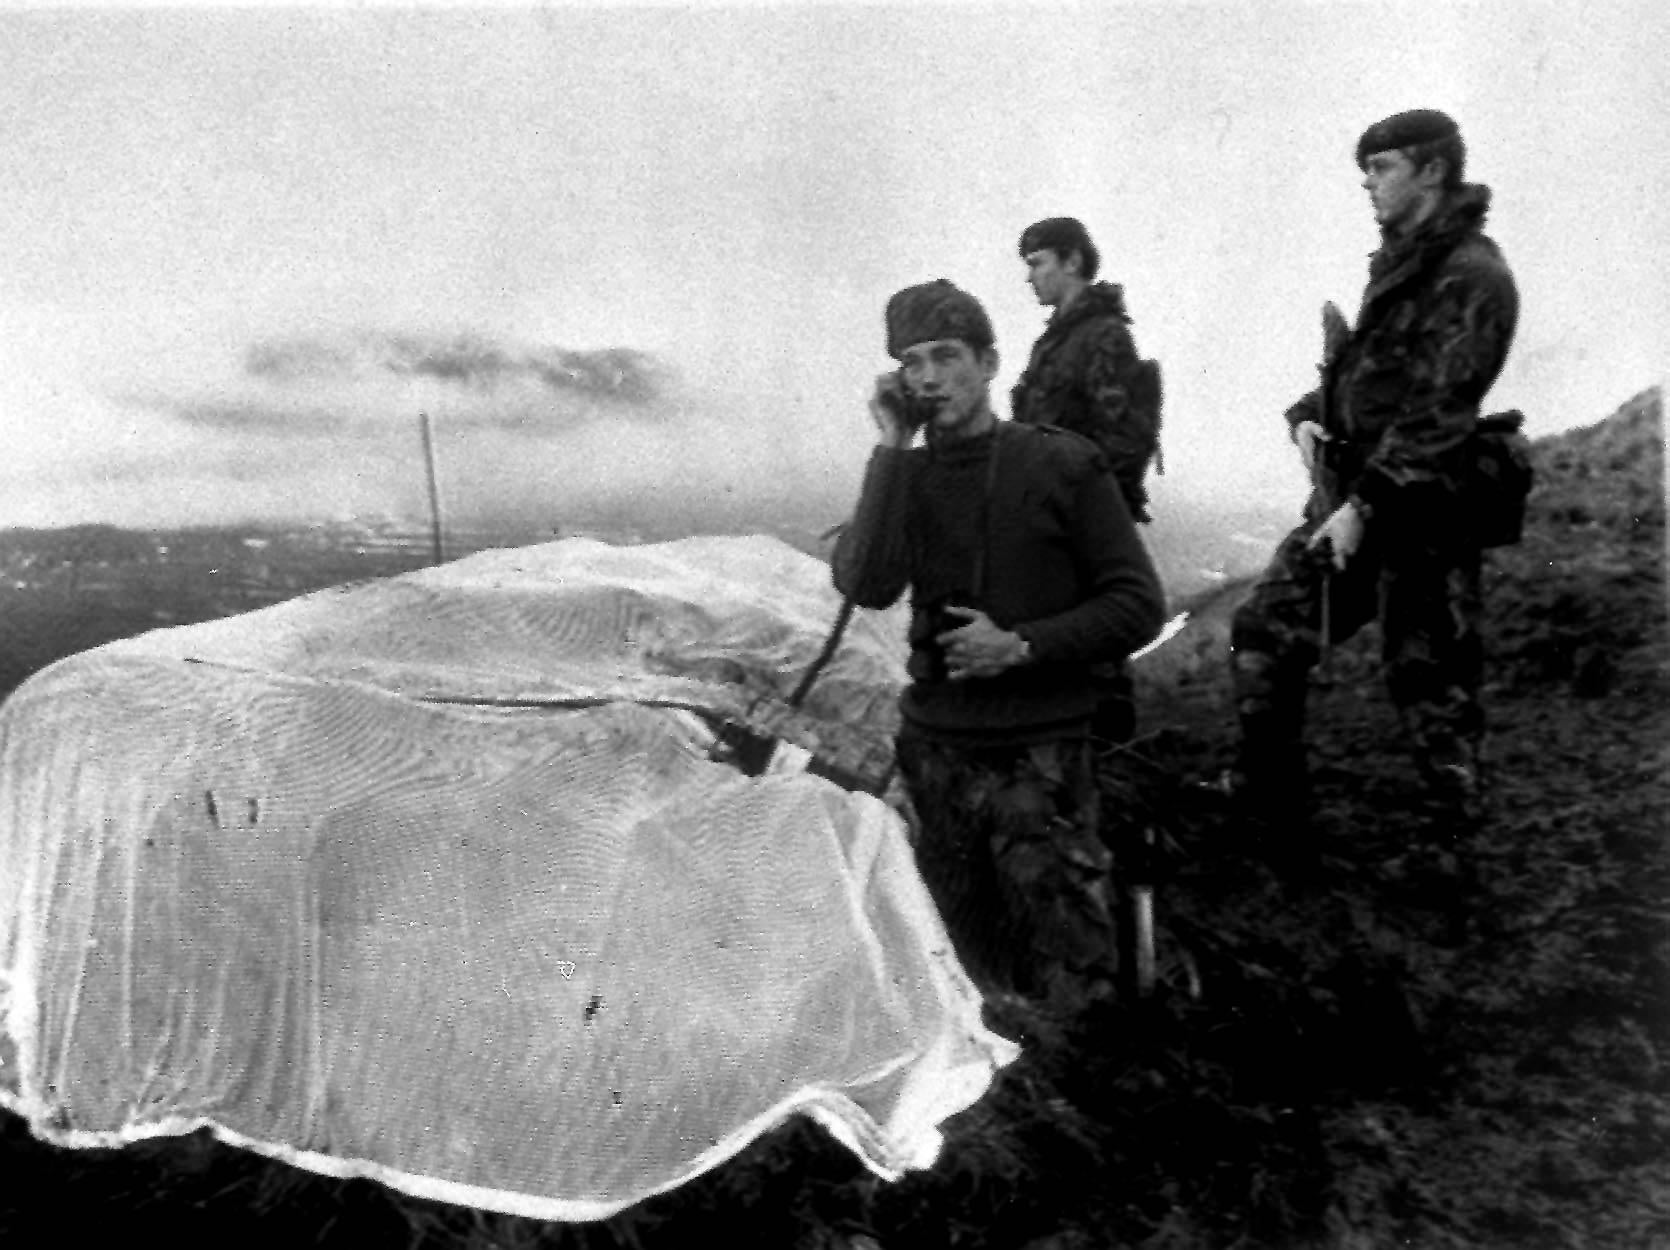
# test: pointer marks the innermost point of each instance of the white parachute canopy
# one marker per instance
(433, 880)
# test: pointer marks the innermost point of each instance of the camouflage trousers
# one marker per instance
(1426, 599)
(1008, 845)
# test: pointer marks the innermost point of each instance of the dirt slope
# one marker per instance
(1483, 1022)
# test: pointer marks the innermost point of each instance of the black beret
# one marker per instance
(1405, 130)
(935, 310)
(1063, 235)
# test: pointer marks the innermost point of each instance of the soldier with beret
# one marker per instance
(1387, 440)
(1024, 569)
(1085, 376)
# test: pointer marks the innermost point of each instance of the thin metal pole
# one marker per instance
(434, 488)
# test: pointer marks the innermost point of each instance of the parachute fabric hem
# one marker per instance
(838, 1114)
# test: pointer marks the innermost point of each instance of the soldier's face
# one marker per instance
(956, 380)
(1048, 275)
(1402, 196)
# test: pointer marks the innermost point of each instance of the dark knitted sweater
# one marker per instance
(1025, 524)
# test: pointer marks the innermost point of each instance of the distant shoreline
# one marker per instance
(1186, 583)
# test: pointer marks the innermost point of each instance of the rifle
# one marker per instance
(1325, 466)
(1335, 334)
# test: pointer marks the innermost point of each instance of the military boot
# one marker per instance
(1268, 783)
(1270, 802)
(1454, 800)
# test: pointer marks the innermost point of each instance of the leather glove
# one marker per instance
(1340, 535)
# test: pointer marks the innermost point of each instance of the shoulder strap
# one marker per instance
(984, 529)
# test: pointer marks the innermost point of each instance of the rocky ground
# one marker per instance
(1412, 1040)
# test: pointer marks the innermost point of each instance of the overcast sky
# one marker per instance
(643, 252)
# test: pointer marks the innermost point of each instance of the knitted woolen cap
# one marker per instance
(935, 310)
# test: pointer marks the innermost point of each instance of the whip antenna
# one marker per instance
(434, 488)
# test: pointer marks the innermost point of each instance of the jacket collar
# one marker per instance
(961, 450)
(1399, 260)
(1099, 299)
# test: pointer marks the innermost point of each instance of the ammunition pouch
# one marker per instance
(1496, 482)
(1499, 479)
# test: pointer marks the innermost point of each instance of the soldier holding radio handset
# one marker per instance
(1024, 569)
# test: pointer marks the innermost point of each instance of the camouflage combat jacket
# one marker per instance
(1079, 377)
(1436, 321)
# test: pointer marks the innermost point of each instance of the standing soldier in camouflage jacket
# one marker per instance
(1388, 440)
(1085, 376)
(1023, 569)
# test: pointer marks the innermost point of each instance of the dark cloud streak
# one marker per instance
(351, 384)
(619, 374)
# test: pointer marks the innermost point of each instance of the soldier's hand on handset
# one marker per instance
(1309, 436)
(887, 411)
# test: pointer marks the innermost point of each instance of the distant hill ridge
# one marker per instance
(1611, 470)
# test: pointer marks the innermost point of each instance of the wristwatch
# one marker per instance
(1026, 649)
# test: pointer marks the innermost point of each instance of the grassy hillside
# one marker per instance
(1416, 1042)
